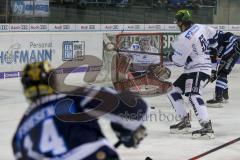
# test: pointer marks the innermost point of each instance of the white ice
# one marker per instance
(159, 144)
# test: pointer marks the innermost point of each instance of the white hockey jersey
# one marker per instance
(191, 49)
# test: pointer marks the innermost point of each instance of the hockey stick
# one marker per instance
(210, 151)
(209, 79)
(215, 149)
(117, 144)
(139, 52)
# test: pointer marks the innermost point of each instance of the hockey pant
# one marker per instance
(191, 86)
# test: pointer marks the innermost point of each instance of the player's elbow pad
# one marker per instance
(177, 63)
(176, 59)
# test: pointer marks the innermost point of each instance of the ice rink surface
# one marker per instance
(159, 144)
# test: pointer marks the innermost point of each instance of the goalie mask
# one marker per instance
(145, 43)
(35, 80)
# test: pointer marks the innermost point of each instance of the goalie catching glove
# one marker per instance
(128, 137)
(160, 72)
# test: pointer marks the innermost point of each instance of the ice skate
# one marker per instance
(205, 133)
(183, 126)
(217, 102)
(225, 96)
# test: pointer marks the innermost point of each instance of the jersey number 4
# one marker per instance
(50, 141)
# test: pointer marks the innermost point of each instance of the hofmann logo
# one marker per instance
(73, 50)
(16, 55)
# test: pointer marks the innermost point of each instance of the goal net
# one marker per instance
(127, 57)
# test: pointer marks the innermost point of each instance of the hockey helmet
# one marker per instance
(183, 16)
(35, 80)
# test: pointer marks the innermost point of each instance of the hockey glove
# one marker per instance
(213, 55)
(213, 76)
(127, 137)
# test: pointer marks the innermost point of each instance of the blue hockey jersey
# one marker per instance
(225, 43)
(48, 131)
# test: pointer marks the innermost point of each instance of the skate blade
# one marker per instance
(225, 101)
(216, 105)
(182, 131)
(206, 136)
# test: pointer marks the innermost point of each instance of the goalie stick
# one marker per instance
(131, 77)
(139, 52)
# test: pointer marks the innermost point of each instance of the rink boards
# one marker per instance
(58, 43)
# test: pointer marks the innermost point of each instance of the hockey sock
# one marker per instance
(199, 107)
(221, 85)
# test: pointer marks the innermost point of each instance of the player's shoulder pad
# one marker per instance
(189, 33)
